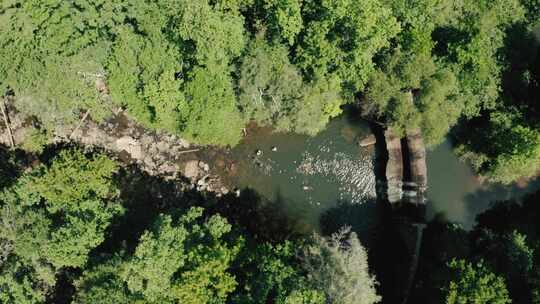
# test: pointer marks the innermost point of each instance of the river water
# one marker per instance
(458, 195)
(308, 176)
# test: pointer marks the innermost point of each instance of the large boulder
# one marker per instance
(367, 141)
(192, 169)
(131, 146)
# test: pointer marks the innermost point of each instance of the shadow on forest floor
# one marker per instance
(145, 197)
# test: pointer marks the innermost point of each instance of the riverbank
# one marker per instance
(305, 176)
(156, 153)
(456, 194)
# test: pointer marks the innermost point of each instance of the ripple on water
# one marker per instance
(307, 175)
(354, 175)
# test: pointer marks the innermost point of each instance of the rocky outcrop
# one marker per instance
(157, 153)
(367, 141)
(394, 167)
(191, 169)
(418, 168)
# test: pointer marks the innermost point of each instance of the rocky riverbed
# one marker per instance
(156, 153)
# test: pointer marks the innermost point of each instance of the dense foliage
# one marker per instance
(497, 262)
(202, 69)
(64, 239)
(52, 217)
(475, 284)
(338, 267)
(177, 65)
(503, 143)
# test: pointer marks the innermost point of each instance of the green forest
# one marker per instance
(79, 226)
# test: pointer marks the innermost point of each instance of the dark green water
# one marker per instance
(458, 195)
(308, 176)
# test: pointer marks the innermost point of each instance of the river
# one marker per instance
(457, 194)
(308, 176)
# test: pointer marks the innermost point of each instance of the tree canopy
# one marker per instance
(475, 284)
(203, 69)
(52, 217)
(337, 266)
(63, 238)
(496, 262)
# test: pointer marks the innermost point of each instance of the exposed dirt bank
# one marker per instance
(157, 153)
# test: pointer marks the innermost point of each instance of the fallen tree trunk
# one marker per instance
(187, 151)
(6, 121)
(79, 124)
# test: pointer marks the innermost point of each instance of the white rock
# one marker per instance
(191, 170)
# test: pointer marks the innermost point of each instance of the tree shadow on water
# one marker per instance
(483, 199)
(259, 217)
(145, 197)
(379, 233)
(362, 217)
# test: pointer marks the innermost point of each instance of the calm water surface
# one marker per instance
(307, 176)
(457, 194)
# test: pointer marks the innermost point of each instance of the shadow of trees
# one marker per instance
(441, 242)
(483, 199)
(518, 82)
(385, 238)
(145, 197)
(506, 216)
(11, 165)
(444, 241)
(363, 219)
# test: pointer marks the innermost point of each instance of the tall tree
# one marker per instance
(183, 260)
(338, 267)
(412, 92)
(52, 217)
(341, 38)
(470, 44)
(53, 53)
(60, 212)
(475, 284)
(272, 92)
(272, 273)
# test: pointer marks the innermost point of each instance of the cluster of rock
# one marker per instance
(367, 141)
(199, 173)
(156, 153)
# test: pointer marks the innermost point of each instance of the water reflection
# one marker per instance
(309, 174)
(457, 194)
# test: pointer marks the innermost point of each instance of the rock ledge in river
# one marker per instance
(367, 141)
